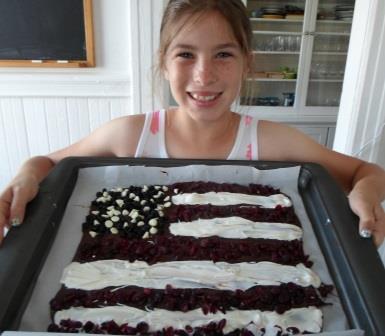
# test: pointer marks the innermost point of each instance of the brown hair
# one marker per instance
(234, 11)
(174, 19)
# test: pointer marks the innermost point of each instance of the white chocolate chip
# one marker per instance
(125, 224)
(133, 213)
(105, 194)
(176, 190)
(119, 189)
(167, 204)
(114, 230)
(111, 207)
(131, 195)
(146, 209)
(157, 187)
(115, 219)
(105, 216)
(124, 193)
(145, 188)
(119, 202)
(125, 212)
(108, 224)
(153, 222)
(153, 230)
(96, 222)
(161, 213)
(165, 188)
(93, 234)
(146, 236)
(137, 199)
(95, 212)
(143, 202)
(167, 198)
(140, 223)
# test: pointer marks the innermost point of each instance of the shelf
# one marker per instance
(330, 34)
(259, 52)
(326, 80)
(271, 80)
(275, 20)
(275, 32)
(334, 22)
(330, 53)
(300, 21)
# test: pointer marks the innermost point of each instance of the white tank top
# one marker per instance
(152, 139)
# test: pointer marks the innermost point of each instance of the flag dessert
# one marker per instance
(191, 258)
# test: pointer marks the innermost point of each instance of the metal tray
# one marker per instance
(353, 262)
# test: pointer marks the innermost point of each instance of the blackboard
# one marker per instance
(46, 33)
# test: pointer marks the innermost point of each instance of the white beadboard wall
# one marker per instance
(34, 126)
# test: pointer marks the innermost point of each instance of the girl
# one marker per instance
(205, 54)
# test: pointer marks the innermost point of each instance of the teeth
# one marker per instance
(203, 98)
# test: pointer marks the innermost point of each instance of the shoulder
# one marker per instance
(281, 142)
(273, 139)
(124, 133)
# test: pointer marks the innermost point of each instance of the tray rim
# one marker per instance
(364, 309)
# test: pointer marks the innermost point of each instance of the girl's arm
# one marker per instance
(116, 138)
(362, 181)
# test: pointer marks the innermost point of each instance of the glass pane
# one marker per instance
(277, 39)
(330, 46)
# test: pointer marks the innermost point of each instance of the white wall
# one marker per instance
(361, 121)
(42, 110)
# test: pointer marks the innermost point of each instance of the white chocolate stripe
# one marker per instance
(235, 227)
(184, 274)
(305, 319)
(226, 198)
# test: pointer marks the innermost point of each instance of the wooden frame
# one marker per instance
(89, 39)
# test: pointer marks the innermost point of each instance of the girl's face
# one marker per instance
(205, 67)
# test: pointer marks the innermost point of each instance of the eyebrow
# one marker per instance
(219, 46)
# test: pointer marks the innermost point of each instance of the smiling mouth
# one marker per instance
(204, 98)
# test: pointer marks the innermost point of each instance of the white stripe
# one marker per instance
(236, 227)
(308, 319)
(226, 198)
(184, 274)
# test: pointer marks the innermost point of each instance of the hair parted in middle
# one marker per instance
(180, 13)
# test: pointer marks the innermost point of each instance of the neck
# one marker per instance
(190, 138)
(201, 130)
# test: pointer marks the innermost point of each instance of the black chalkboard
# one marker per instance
(43, 30)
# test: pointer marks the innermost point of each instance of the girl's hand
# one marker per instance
(372, 216)
(14, 199)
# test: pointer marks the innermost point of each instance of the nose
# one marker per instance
(204, 72)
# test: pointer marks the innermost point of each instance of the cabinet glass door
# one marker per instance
(329, 52)
(277, 39)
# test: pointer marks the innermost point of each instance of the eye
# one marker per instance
(224, 54)
(185, 54)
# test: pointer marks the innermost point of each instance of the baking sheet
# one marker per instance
(92, 180)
